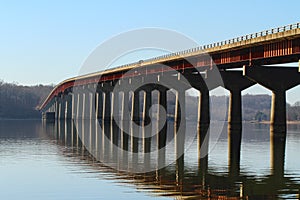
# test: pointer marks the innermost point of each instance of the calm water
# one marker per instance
(52, 161)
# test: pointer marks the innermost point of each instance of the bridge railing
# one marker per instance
(217, 44)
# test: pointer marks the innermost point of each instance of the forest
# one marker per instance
(21, 102)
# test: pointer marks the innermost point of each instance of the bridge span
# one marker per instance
(250, 52)
(94, 96)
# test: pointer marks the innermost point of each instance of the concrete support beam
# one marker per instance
(278, 80)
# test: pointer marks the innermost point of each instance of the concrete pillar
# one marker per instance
(135, 121)
(87, 105)
(162, 101)
(74, 106)
(62, 107)
(57, 102)
(99, 105)
(115, 117)
(179, 134)
(79, 106)
(125, 120)
(136, 107)
(204, 120)
(92, 104)
(203, 85)
(180, 114)
(107, 106)
(69, 106)
(147, 120)
(278, 80)
(235, 82)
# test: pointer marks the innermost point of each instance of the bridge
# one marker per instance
(111, 96)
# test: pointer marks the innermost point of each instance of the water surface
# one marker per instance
(49, 161)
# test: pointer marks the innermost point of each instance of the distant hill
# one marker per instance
(20, 102)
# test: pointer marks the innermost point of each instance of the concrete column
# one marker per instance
(235, 82)
(147, 120)
(115, 117)
(203, 112)
(57, 102)
(125, 120)
(278, 80)
(180, 114)
(179, 133)
(100, 103)
(79, 106)
(203, 137)
(87, 105)
(62, 107)
(74, 106)
(136, 107)
(278, 110)
(107, 107)
(69, 107)
(92, 104)
(162, 101)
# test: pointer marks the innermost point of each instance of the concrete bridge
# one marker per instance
(110, 96)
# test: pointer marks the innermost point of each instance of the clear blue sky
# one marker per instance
(47, 41)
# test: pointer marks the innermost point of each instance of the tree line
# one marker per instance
(20, 102)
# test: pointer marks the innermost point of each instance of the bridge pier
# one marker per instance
(107, 106)
(125, 120)
(79, 106)
(69, 106)
(147, 126)
(136, 107)
(86, 105)
(63, 106)
(179, 133)
(278, 80)
(235, 82)
(115, 118)
(162, 102)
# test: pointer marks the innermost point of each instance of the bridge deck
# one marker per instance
(275, 46)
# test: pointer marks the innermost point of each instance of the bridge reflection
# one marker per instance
(180, 179)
